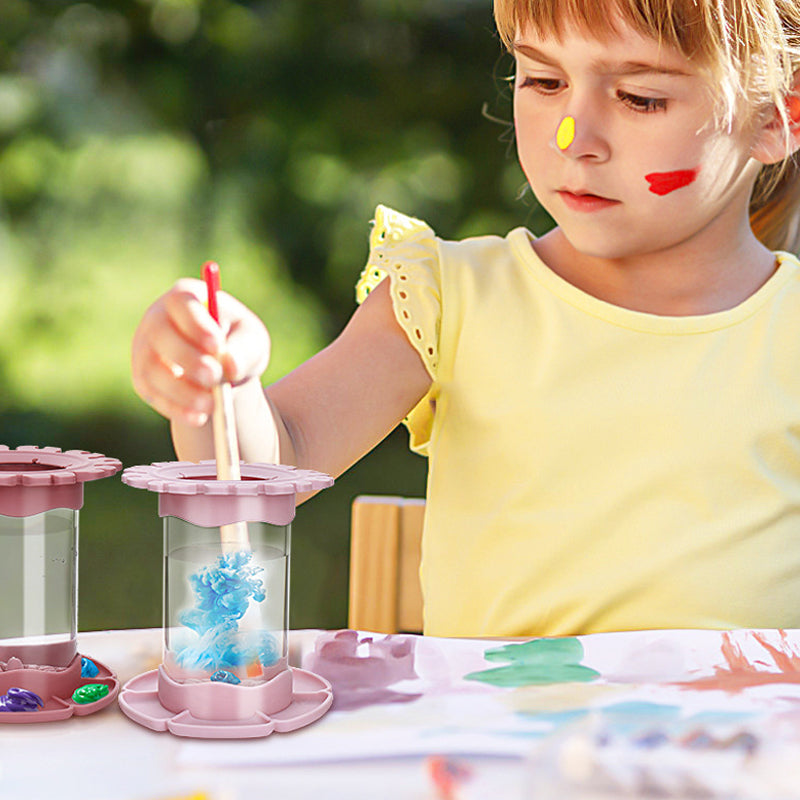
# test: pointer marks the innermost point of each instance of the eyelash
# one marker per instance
(644, 105)
(637, 103)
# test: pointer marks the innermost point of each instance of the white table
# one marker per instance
(105, 756)
(378, 745)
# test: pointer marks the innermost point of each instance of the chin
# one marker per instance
(609, 244)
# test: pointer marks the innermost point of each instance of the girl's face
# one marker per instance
(618, 142)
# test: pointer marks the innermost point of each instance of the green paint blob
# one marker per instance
(90, 693)
(539, 651)
(538, 662)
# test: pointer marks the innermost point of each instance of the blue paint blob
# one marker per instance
(642, 710)
(88, 668)
(636, 717)
(223, 676)
(223, 594)
(16, 699)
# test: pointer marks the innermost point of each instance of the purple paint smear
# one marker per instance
(363, 680)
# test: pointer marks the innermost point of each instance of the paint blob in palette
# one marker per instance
(225, 620)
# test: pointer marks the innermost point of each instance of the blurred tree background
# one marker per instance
(140, 138)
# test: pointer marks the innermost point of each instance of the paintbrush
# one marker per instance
(226, 443)
(234, 537)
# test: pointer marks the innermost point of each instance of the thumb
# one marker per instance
(246, 354)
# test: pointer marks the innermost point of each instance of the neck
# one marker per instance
(690, 279)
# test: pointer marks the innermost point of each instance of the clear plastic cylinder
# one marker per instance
(225, 605)
(38, 576)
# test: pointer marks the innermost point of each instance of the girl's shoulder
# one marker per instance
(409, 249)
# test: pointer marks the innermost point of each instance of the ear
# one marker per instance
(772, 144)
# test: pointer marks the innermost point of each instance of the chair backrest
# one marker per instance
(385, 541)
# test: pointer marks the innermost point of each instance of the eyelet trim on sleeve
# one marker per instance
(405, 249)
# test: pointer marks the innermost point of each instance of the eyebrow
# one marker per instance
(610, 67)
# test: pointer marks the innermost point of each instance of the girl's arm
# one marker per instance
(324, 415)
(338, 405)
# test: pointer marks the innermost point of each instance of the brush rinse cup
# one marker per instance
(43, 678)
(225, 671)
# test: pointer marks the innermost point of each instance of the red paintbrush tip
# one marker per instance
(211, 277)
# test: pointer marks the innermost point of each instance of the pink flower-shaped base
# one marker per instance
(311, 697)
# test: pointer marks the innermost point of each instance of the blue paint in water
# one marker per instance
(223, 593)
(223, 676)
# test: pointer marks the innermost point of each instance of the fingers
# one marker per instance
(172, 355)
(171, 393)
(179, 353)
(186, 307)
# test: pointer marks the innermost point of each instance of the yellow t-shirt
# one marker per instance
(593, 468)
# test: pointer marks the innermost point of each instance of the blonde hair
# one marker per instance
(749, 49)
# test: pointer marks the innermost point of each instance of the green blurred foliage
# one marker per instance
(139, 138)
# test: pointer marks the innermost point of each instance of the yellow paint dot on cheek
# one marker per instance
(565, 133)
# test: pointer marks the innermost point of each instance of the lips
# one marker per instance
(580, 192)
(582, 200)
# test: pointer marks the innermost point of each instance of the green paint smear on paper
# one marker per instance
(538, 662)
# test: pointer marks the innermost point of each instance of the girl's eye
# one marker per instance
(542, 85)
(645, 105)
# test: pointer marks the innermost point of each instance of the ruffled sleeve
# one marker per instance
(405, 250)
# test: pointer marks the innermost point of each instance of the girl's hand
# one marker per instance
(179, 353)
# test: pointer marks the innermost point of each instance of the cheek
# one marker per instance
(664, 164)
(710, 163)
(531, 145)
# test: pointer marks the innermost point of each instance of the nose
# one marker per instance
(580, 136)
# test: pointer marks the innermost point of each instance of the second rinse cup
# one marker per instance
(43, 678)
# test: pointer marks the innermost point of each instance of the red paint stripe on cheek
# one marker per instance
(666, 182)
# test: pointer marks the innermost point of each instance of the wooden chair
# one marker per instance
(385, 540)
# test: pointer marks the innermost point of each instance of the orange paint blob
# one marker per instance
(740, 673)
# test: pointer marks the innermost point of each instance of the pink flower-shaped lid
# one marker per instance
(189, 490)
(37, 479)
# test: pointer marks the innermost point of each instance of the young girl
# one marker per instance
(611, 412)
